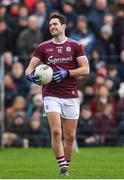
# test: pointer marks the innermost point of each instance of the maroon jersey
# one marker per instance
(63, 55)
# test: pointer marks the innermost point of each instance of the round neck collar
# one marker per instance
(60, 42)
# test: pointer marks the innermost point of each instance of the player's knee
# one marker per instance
(70, 138)
(56, 133)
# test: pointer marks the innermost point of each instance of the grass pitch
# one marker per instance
(90, 163)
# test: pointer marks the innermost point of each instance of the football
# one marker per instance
(45, 73)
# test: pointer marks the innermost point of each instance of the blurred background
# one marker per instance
(96, 24)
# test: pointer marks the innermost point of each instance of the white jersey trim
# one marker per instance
(74, 41)
(58, 42)
(45, 42)
(84, 56)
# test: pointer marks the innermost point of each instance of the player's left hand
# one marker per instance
(59, 75)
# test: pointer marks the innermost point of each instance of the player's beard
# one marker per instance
(56, 34)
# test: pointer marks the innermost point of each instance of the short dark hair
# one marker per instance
(61, 18)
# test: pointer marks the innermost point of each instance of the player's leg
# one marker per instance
(70, 114)
(56, 133)
(69, 130)
(53, 110)
(56, 141)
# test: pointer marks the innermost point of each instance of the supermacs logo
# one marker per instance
(52, 60)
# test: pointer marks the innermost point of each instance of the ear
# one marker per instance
(64, 26)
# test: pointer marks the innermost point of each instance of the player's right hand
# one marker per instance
(33, 78)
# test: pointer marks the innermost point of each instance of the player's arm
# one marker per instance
(32, 65)
(31, 69)
(83, 69)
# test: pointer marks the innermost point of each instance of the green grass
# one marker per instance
(91, 163)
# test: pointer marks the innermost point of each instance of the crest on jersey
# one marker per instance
(68, 49)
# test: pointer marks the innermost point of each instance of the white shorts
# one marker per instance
(68, 108)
